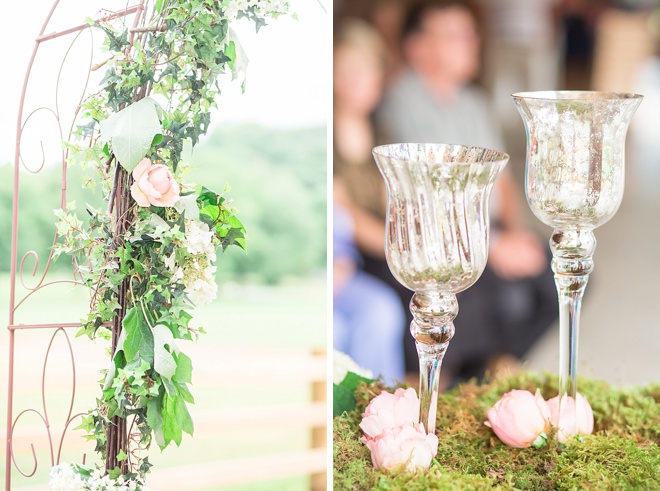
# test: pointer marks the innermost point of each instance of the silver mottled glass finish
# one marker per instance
(437, 239)
(574, 183)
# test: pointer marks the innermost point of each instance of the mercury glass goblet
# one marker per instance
(437, 240)
(574, 183)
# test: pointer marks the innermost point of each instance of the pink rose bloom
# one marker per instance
(520, 419)
(387, 411)
(585, 417)
(406, 448)
(154, 185)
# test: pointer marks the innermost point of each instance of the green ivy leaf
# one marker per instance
(157, 140)
(239, 60)
(234, 235)
(114, 473)
(182, 416)
(155, 420)
(230, 52)
(184, 369)
(188, 204)
(343, 400)
(164, 362)
(352, 380)
(343, 394)
(170, 388)
(131, 131)
(172, 430)
(213, 212)
(185, 393)
(139, 338)
(117, 42)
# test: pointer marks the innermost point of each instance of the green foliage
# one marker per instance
(214, 213)
(343, 393)
(139, 342)
(622, 453)
(286, 169)
(147, 262)
(132, 131)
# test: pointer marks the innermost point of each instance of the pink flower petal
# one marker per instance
(154, 185)
(584, 414)
(139, 197)
(142, 166)
(388, 411)
(519, 417)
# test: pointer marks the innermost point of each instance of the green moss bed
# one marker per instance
(621, 454)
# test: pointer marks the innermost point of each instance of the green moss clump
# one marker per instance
(622, 454)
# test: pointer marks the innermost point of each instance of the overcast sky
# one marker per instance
(287, 84)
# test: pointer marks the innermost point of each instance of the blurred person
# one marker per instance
(369, 318)
(386, 16)
(358, 79)
(433, 96)
(515, 300)
(523, 50)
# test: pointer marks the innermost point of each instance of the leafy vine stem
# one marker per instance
(149, 256)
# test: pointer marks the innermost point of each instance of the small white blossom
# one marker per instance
(264, 8)
(198, 237)
(65, 477)
(342, 364)
(202, 291)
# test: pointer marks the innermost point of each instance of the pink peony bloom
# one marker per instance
(154, 185)
(387, 411)
(405, 448)
(520, 419)
(585, 417)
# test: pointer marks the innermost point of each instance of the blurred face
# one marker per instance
(357, 79)
(448, 44)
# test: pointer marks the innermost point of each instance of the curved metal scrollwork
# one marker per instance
(26, 274)
(54, 442)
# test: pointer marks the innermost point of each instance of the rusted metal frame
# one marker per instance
(13, 306)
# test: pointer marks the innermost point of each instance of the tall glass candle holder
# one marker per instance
(574, 183)
(437, 240)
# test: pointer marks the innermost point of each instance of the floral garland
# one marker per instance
(149, 256)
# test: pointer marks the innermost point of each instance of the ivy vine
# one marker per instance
(149, 256)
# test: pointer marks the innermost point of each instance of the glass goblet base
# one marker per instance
(432, 327)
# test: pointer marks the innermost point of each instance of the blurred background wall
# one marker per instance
(576, 45)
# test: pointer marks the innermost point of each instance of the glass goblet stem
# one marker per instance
(432, 327)
(572, 262)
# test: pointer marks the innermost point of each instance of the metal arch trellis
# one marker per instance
(16, 272)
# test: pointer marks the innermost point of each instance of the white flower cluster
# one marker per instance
(197, 273)
(342, 364)
(263, 7)
(199, 239)
(65, 477)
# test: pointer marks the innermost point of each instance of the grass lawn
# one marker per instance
(250, 360)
